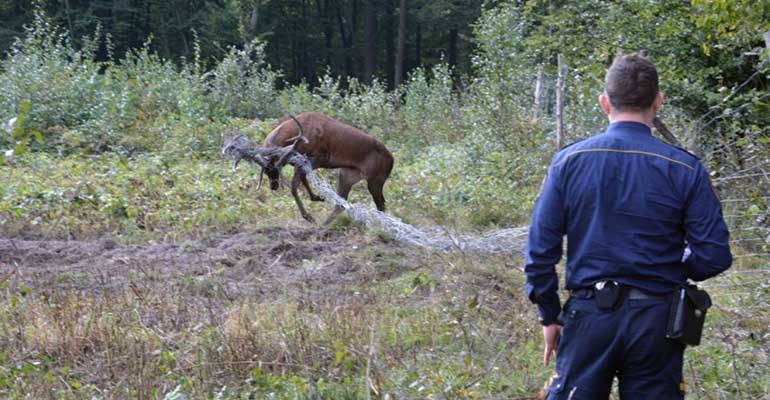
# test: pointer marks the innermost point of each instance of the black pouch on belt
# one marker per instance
(687, 315)
(607, 294)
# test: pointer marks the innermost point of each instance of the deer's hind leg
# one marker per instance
(346, 179)
(375, 188)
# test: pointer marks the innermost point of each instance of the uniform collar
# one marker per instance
(629, 127)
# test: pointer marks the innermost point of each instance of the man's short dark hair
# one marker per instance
(631, 83)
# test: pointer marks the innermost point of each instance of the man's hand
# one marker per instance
(551, 335)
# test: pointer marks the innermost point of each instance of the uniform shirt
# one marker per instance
(629, 204)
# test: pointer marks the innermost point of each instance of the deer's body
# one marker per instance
(329, 143)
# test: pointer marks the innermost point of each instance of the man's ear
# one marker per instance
(604, 103)
(658, 103)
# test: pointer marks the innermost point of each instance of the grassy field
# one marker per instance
(148, 279)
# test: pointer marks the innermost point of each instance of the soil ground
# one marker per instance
(261, 263)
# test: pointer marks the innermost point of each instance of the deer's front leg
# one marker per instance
(313, 196)
(295, 181)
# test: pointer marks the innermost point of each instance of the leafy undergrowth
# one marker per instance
(146, 197)
(167, 196)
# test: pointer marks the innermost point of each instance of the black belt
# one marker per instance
(630, 293)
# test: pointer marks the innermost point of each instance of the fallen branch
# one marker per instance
(505, 241)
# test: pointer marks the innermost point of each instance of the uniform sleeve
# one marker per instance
(544, 249)
(707, 234)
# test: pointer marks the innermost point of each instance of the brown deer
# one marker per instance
(327, 143)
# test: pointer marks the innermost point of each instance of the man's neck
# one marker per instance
(643, 118)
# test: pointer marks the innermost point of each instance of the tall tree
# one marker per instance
(370, 39)
(418, 44)
(452, 56)
(390, 46)
(447, 28)
(325, 20)
(347, 25)
(401, 46)
(251, 28)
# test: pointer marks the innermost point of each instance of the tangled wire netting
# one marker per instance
(505, 241)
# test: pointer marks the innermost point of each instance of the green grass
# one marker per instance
(346, 313)
(422, 337)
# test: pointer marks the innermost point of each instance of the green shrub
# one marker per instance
(241, 85)
(51, 83)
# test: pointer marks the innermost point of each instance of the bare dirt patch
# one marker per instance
(261, 263)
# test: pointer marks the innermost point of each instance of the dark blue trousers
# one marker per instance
(628, 342)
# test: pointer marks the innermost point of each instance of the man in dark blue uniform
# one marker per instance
(640, 218)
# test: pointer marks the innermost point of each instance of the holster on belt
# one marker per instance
(608, 294)
(687, 314)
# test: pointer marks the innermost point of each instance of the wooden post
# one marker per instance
(665, 132)
(560, 103)
(538, 94)
(767, 43)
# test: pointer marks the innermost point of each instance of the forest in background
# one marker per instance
(304, 38)
(112, 117)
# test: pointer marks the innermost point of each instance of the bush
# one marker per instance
(241, 85)
(54, 86)
(73, 103)
(430, 109)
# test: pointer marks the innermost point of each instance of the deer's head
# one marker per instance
(270, 159)
(273, 173)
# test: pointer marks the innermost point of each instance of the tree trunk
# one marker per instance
(68, 12)
(452, 47)
(418, 45)
(251, 30)
(147, 19)
(182, 35)
(560, 103)
(390, 46)
(348, 35)
(370, 48)
(296, 74)
(401, 51)
(538, 94)
(306, 71)
(767, 42)
(453, 33)
(328, 29)
(353, 30)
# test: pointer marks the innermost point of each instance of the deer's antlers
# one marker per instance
(239, 147)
